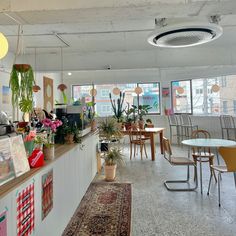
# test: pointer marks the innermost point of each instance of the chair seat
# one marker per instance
(181, 161)
(138, 141)
(203, 154)
(220, 168)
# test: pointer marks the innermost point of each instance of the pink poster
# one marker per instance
(3, 224)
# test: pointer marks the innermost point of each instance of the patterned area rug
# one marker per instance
(105, 210)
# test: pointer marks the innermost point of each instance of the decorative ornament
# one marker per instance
(62, 87)
(138, 90)
(116, 91)
(93, 92)
(180, 90)
(36, 88)
(215, 88)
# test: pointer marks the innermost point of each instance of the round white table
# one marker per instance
(210, 142)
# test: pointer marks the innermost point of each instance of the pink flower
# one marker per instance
(57, 123)
(53, 127)
(84, 108)
(46, 122)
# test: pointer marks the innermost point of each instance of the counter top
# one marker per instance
(60, 150)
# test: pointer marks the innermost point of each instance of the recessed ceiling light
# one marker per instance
(69, 73)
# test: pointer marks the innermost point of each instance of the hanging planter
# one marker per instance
(21, 83)
(36, 88)
(62, 88)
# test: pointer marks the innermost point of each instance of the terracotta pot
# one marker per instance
(110, 172)
(93, 125)
(127, 126)
(69, 138)
(22, 67)
(48, 153)
(141, 124)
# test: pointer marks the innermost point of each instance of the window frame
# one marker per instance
(191, 97)
(158, 95)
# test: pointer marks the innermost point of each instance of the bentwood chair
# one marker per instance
(174, 123)
(202, 154)
(228, 127)
(187, 127)
(228, 154)
(136, 139)
(178, 161)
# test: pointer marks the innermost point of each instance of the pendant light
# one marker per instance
(3, 46)
(93, 91)
(138, 90)
(180, 90)
(215, 88)
(35, 87)
(116, 91)
(62, 86)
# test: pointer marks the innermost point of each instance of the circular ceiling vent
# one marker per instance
(184, 35)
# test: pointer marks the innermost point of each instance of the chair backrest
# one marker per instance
(227, 121)
(167, 149)
(186, 120)
(201, 134)
(134, 133)
(173, 119)
(229, 156)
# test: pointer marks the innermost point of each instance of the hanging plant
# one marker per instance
(21, 83)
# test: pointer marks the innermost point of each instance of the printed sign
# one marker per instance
(3, 224)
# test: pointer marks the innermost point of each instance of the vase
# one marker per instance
(93, 125)
(69, 138)
(48, 152)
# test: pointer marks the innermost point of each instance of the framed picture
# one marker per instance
(19, 157)
(6, 162)
(165, 92)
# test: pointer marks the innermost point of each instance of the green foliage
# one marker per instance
(68, 128)
(131, 113)
(117, 106)
(21, 83)
(109, 129)
(143, 110)
(113, 157)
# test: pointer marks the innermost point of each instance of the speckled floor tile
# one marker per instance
(156, 211)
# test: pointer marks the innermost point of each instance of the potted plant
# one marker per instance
(131, 116)
(112, 158)
(21, 83)
(91, 114)
(72, 133)
(109, 131)
(117, 106)
(142, 111)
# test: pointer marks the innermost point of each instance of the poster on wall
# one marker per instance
(47, 193)
(165, 92)
(25, 211)
(3, 223)
(48, 93)
(20, 161)
(6, 163)
(6, 95)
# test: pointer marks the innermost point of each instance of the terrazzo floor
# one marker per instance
(157, 211)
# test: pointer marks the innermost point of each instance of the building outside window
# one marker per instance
(234, 104)
(181, 96)
(225, 107)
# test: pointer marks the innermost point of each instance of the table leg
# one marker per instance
(161, 142)
(201, 173)
(152, 142)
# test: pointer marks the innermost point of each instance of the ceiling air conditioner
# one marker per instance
(177, 35)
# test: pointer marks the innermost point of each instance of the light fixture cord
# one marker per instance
(62, 65)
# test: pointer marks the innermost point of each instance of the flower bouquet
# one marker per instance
(29, 141)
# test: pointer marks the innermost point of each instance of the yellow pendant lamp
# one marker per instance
(3, 46)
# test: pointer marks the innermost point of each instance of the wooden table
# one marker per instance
(150, 132)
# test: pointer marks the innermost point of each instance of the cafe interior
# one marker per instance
(118, 117)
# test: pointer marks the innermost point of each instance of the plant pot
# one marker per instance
(22, 67)
(48, 152)
(69, 138)
(141, 124)
(127, 126)
(22, 124)
(110, 172)
(93, 125)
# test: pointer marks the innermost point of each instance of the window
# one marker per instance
(234, 104)
(150, 96)
(181, 96)
(225, 107)
(105, 93)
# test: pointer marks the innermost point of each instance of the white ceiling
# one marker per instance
(99, 32)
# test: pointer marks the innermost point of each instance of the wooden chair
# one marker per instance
(228, 154)
(202, 154)
(136, 139)
(178, 161)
